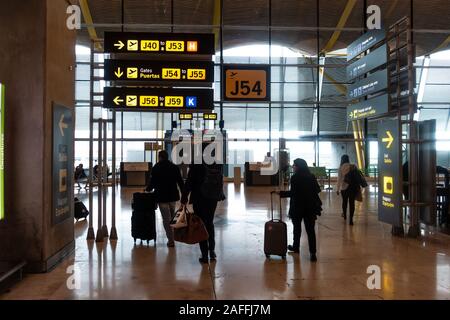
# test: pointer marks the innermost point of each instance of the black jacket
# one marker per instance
(304, 194)
(193, 185)
(165, 177)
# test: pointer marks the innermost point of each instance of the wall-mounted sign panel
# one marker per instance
(63, 144)
(185, 116)
(373, 60)
(161, 43)
(2, 152)
(249, 83)
(372, 84)
(210, 116)
(158, 100)
(365, 42)
(389, 166)
(159, 71)
(368, 108)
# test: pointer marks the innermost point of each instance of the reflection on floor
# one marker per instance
(410, 268)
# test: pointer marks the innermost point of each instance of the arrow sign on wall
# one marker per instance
(119, 45)
(62, 125)
(389, 139)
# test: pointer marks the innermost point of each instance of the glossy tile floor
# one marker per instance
(410, 268)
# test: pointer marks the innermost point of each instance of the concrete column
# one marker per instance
(37, 67)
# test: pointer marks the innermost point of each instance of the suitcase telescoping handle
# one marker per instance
(271, 205)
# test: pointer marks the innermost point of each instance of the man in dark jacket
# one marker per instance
(305, 205)
(205, 187)
(165, 178)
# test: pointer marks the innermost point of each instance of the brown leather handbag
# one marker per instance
(195, 231)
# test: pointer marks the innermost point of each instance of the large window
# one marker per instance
(308, 74)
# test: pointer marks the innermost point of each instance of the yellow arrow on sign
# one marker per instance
(119, 45)
(118, 73)
(389, 139)
(117, 100)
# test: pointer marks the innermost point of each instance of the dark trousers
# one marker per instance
(309, 222)
(205, 209)
(348, 197)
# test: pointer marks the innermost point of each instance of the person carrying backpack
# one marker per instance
(350, 181)
(205, 187)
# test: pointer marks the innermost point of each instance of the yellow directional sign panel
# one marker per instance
(210, 116)
(161, 71)
(159, 99)
(162, 43)
(186, 116)
(246, 83)
(389, 165)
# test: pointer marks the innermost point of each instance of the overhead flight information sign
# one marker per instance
(2, 152)
(250, 83)
(210, 116)
(162, 43)
(372, 84)
(158, 99)
(373, 60)
(368, 108)
(186, 116)
(389, 166)
(159, 71)
(365, 42)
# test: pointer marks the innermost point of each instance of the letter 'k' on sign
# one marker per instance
(191, 102)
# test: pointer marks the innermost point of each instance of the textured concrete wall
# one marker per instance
(36, 53)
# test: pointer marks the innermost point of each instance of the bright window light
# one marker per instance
(261, 50)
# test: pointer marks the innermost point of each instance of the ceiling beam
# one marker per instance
(341, 24)
(88, 20)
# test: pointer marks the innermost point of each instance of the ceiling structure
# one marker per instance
(294, 22)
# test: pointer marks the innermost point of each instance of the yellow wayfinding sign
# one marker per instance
(246, 83)
(389, 139)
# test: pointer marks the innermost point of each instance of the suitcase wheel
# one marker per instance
(283, 257)
(267, 256)
(134, 240)
(148, 242)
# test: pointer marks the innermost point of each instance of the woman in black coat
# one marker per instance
(305, 205)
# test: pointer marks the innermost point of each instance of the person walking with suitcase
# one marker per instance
(305, 205)
(205, 187)
(165, 180)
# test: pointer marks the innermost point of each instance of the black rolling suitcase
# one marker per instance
(275, 235)
(143, 225)
(80, 210)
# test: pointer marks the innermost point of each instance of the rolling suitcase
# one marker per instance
(275, 234)
(143, 224)
(80, 210)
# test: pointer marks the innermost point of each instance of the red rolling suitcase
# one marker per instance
(275, 234)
